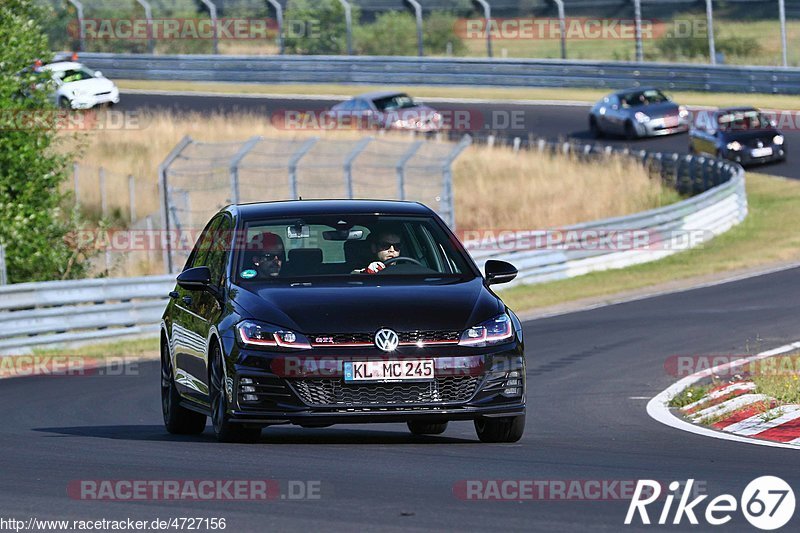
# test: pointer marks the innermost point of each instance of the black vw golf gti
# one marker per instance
(339, 311)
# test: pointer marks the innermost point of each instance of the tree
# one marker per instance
(33, 226)
(317, 27)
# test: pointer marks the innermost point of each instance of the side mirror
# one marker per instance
(195, 279)
(499, 272)
(98, 74)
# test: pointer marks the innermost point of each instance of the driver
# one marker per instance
(267, 254)
(386, 245)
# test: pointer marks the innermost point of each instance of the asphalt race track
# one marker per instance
(589, 377)
(548, 121)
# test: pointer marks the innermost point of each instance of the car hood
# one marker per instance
(343, 308)
(744, 136)
(91, 86)
(410, 112)
(663, 109)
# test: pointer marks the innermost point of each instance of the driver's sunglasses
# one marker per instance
(266, 258)
(385, 245)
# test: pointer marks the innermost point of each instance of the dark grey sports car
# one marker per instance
(642, 112)
(388, 110)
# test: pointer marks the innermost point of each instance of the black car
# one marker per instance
(339, 311)
(741, 134)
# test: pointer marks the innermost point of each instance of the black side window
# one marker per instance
(218, 254)
(201, 248)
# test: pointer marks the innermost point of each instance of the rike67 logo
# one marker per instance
(767, 503)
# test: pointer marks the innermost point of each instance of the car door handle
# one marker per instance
(174, 295)
(187, 300)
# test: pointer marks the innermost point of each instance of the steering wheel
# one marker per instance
(401, 258)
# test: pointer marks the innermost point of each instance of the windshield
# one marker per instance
(353, 247)
(640, 98)
(395, 102)
(70, 75)
(743, 121)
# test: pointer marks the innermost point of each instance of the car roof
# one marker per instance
(260, 210)
(635, 90)
(725, 110)
(62, 65)
(378, 94)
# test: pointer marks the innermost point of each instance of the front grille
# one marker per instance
(367, 339)
(103, 94)
(326, 392)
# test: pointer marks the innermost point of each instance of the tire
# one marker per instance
(224, 429)
(506, 429)
(630, 131)
(427, 428)
(594, 128)
(177, 419)
(64, 103)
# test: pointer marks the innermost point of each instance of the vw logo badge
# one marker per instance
(386, 339)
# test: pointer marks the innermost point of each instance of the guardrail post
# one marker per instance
(348, 164)
(348, 20)
(400, 168)
(447, 209)
(163, 187)
(279, 17)
(487, 15)
(81, 34)
(418, 15)
(637, 20)
(712, 51)
(294, 161)
(212, 10)
(233, 168)
(3, 273)
(782, 15)
(563, 27)
(148, 13)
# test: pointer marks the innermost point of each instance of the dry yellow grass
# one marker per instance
(494, 187)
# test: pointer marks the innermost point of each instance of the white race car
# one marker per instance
(79, 87)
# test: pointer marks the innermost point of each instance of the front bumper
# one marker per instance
(90, 101)
(464, 388)
(745, 157)
(662, 126)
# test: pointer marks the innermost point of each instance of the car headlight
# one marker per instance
(253, 333)
(641, 117)
(734, 145)
(778, 139)
(494, 331)
(683, 112)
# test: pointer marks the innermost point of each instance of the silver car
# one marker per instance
(387, 110)
(634, 113)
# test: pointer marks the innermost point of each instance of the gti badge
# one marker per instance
(386, 339)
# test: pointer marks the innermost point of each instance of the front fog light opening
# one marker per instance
(513, 384)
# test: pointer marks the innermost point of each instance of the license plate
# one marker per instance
(761, 152)
(405, 370)
(670, 122)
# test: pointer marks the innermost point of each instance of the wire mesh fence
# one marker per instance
(764, 32)
(198, 178)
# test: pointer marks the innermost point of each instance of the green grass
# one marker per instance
(773, 207)
(779, 379)
(689, 395)
(765, 101)
(145, 347)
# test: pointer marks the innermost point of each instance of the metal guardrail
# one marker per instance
(35, 314)
(446, 71)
